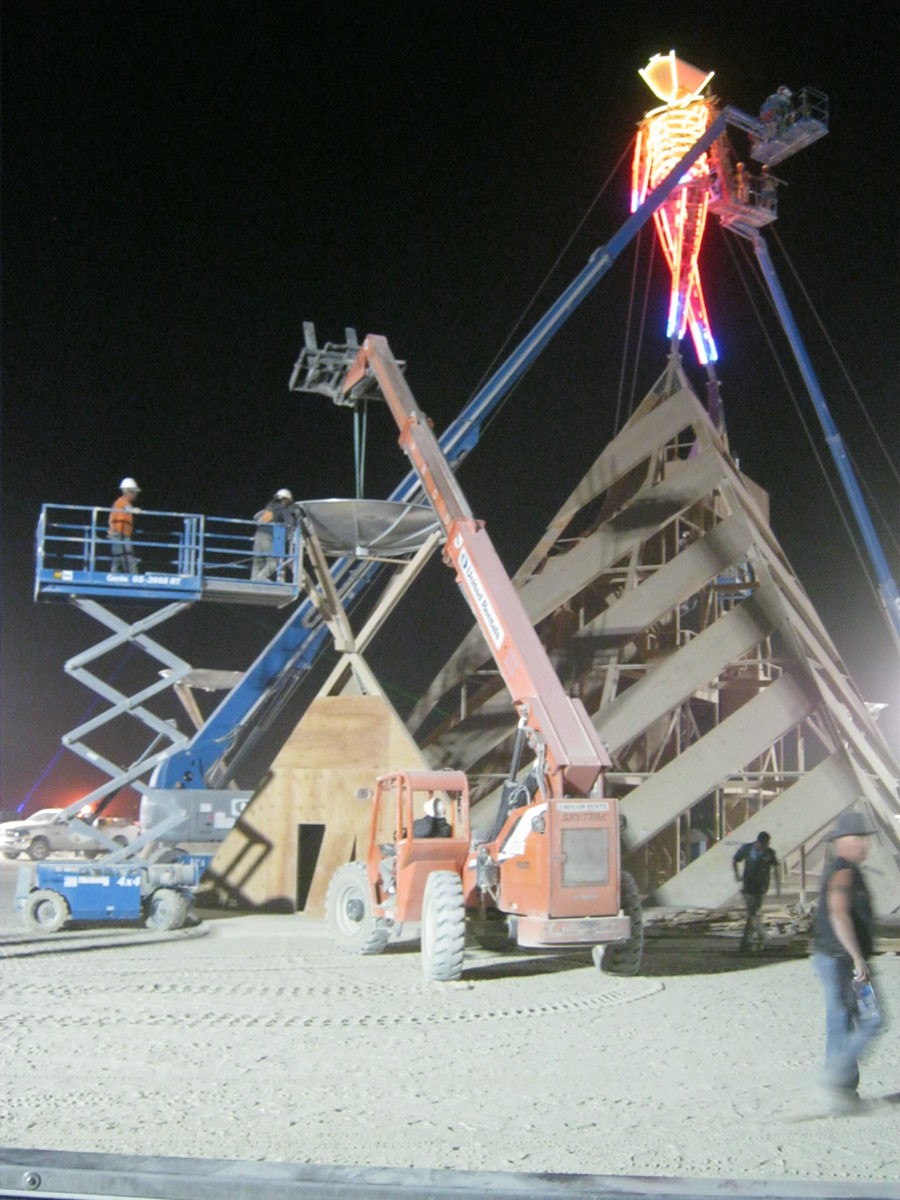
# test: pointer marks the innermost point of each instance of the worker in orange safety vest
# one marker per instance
(121, 528)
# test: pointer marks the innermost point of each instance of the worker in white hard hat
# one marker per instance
(434, 823)
(280, 510)
(121, 528)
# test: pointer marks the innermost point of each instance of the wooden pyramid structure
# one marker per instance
(669, 607)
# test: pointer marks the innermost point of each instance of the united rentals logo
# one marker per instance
(483, 606)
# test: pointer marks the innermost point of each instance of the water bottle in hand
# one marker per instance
(867, 1009)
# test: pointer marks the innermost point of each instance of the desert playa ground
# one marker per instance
(251, 1037)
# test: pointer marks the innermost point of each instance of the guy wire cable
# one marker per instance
(642, 326)
(629, 319)
(541, 286)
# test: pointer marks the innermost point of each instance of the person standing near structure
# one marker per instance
(767, 189)
(279, 511)
(741, 184)
(843, 938)
(759, 860)
(121, 528)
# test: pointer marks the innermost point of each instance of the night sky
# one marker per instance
(184, 184)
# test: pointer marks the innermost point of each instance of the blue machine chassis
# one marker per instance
(108, 892)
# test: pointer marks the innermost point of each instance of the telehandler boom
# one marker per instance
(548, 872)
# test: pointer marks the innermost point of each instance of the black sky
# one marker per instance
(184, 184)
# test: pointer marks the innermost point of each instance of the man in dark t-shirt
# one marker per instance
(843, 937)
(759, 860)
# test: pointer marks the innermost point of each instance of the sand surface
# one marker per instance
(253, 1038)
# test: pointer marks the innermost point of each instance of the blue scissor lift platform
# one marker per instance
(182, 558)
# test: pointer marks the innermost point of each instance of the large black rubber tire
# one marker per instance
(625, 958)
(165, 909)
(443, 927)
(45, 911)
(493, 933)
(10, 854)
(38, 849)
(348, 912)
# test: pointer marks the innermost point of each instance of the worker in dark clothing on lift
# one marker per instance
(775, 113)
(758, 859)
(279, 511)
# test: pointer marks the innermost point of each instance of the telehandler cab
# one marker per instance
(454, 881)
(410, 874)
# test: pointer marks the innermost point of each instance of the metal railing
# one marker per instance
(180, 553)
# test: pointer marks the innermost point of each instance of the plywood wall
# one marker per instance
(341, 744)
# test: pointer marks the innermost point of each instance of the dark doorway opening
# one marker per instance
(309, 843)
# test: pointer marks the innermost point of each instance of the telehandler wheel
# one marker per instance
(625, 958)
(443, 927)
(45, 911)
(348, 912)
(166, 909)
(38, 849)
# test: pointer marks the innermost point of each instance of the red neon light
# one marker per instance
(665, 136)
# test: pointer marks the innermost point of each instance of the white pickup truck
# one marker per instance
(46, 831)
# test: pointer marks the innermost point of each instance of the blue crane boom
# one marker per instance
(211, 757)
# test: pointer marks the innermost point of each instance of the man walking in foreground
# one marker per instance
(843, 937)
(758, 860)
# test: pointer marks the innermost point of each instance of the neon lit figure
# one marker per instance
(665, 135)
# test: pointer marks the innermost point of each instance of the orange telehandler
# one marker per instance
(547, 873)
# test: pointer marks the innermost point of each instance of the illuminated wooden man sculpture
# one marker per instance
(665, 136)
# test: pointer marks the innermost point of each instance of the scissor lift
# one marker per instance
(183, 558)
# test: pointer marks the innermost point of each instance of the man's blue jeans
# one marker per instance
(845, 1037)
